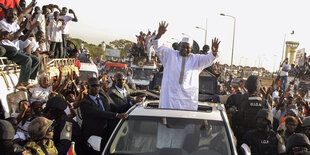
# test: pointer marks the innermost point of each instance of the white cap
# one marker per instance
(187, 40)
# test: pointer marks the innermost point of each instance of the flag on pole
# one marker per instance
(71, 150)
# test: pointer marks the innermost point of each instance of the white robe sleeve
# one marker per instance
(205, 61)
(162, 52)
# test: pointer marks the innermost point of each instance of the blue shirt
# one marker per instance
(94, 98)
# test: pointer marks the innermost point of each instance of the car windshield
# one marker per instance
(115, 69)
(169, 136)
(143, 74)
(85, 75)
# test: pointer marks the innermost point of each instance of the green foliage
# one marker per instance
(122, 44)
(95, 51)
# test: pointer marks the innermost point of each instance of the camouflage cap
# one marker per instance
(38, 127)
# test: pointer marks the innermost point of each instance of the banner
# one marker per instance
(299, 58)
(112, 52)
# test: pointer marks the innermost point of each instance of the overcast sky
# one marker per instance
(261, 25)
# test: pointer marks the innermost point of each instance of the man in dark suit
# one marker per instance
(120, 94)
(95, 113)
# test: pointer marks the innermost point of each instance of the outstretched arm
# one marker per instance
(75, 18)
(27, 9)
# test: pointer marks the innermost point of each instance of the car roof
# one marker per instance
(116, 64)
(206, 110)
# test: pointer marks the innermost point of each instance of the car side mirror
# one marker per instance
(245, 149)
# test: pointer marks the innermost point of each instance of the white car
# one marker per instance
(153, 131)
(88, 68)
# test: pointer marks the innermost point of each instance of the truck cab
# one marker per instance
(111, 68)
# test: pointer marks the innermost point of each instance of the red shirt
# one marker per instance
(8, 4)
(77, 63)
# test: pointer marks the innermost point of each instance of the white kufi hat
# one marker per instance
(187, 40)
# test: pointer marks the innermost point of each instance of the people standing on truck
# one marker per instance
(284, 73)
(179, 88)
(55, 29)
(65, 31)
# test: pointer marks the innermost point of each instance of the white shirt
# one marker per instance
(175, 95)
(24, 44)
(34, 44)
(122, 91)
(12, 28)
(66, 18)
(40, 18)
(275, 94)
(55, 31)
(39, 93)
(285, 67)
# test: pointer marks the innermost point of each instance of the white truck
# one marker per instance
(143, 74)
(88, 68)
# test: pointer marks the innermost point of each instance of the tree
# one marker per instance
(95, 51)
(123, 45)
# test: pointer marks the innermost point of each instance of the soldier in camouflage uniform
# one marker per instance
(41, 133)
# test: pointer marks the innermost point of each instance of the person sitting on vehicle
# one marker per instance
(181, 74)
(28, 69)
(44, 88)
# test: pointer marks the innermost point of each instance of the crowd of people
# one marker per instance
(30, 35)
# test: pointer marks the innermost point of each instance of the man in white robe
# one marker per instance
(180, 89)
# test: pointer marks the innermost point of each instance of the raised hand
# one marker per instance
(215, 44)
(161, 29)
